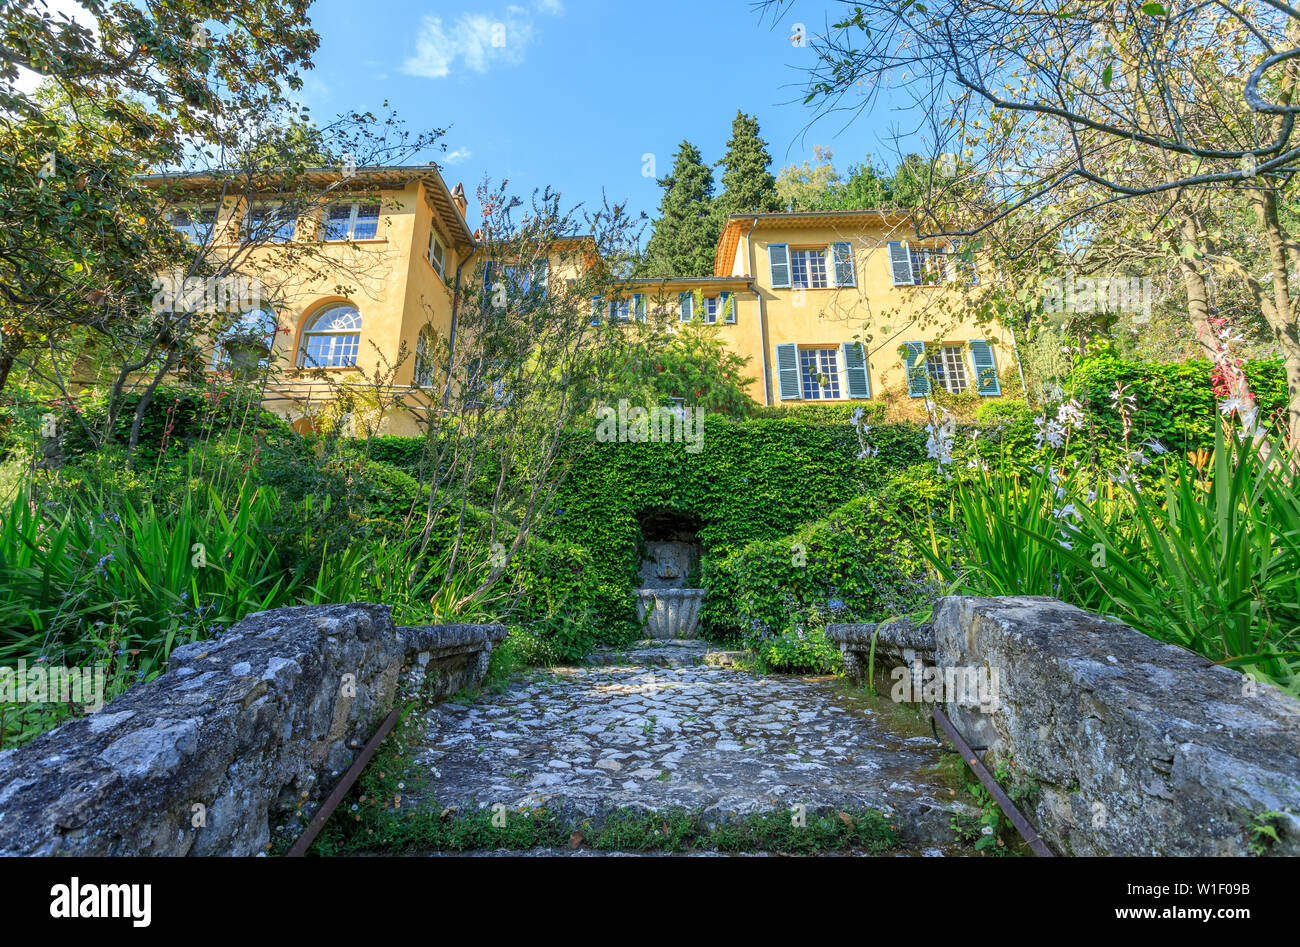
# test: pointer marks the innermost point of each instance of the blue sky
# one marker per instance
(580, 90)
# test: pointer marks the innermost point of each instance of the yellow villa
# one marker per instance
(825, 306)
(838, 305)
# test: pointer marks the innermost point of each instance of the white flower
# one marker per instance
(856, 419)
(1071, 413)
(1231, 405)
(1092, 497)
(1067, 510)
(1155, 446)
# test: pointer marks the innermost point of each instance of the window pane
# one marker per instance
(947, 368)
(367, 227)
(808, 269)
(336, 226)
(819, 373)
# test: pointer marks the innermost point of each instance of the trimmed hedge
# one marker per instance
(1175, 400)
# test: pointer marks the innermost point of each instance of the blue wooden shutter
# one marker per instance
(489, 271)
(918, 376)
(540, 270)
(686, 302)
(900, 263)
(787, 371)
(855, 369)
(638, 306)
(778, 261)
(727, 303)
(842, 253)
(986, 369)
(595, 310)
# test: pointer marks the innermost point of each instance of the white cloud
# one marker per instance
(456, 156)
(477, 40)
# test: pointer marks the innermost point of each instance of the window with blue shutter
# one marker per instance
(489, 273)
(540, 271)
(727, 303)
(638, 306)
(778, 261)
(986, 370)
(686, 301)
(900, 263)
(595, 310)
(855, 370)
(787, 371)
(918, 377)
(843, 256)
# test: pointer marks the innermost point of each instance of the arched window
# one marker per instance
(248, 340)
(333, 338)
(424, 359)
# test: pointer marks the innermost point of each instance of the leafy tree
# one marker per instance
(688, 364)
(747, 184)
(685, 234)
(1071, 109)
(805, 186)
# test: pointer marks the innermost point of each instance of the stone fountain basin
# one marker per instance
(669, 613)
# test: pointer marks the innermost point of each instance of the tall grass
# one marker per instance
(1204, 558)
(90, 577)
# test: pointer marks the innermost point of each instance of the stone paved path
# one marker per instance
(585, 739)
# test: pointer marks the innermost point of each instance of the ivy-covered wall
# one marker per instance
(754, 479)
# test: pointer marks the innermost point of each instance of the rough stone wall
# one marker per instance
(1134, 747)
(236, 737)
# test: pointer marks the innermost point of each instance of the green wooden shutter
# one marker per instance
(855, 369)
(842, 253)
(900, 263)
(787, 371)
(638, 306)
(727, 303)
(686, 301)
(918, 377)
(778, 261)
(595, 310)
(986, 370)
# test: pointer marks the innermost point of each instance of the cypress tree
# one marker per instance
(684, 237)
(747, 184)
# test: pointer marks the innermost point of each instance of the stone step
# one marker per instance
(668, 652)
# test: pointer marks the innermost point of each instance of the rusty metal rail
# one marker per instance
(1003, 800)
(326, 809)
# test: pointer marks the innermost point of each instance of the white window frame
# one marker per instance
(440, 264)
(219, 360)
(827, 277)
(949, 356)
(839, 378)
(274, 210)
(308, 334)
(195, 217)
(354, 212)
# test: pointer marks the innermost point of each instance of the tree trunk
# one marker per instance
(1281, 314)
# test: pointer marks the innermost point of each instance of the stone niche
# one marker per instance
(236, 735)
(669, 553)
(1132, 746)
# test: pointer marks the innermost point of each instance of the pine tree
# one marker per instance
(685, 235)
(747, 184)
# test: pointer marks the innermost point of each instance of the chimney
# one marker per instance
(458, 197)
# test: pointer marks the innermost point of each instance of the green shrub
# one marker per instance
(855, 565)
